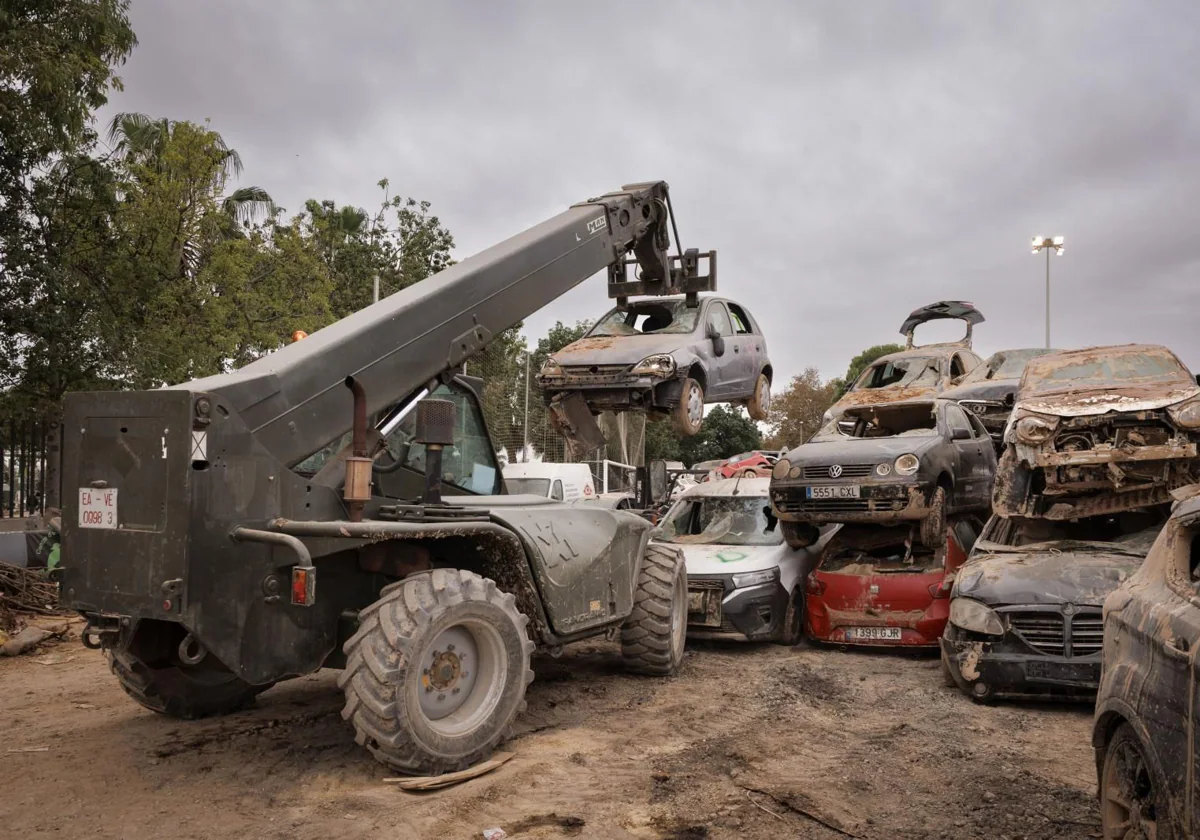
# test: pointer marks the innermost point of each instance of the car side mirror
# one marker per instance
(714, 335)
(960, 434)
(657, 477)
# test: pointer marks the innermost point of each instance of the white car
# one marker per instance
(743, 579)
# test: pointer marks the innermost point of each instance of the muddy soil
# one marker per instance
(750, 741)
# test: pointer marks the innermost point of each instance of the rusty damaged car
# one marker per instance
(900, 463)
(917, 372)
(1097, 431)
(1025, 609)
(667, 358)
(1146, 729)
(990, 390)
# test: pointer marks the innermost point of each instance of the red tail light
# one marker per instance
(814, 586)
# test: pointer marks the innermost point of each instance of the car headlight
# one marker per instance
(1186, 414)
(551, 368)
(976, 617)
(883, 469)
(782, 467)
(1035, 428)
(756, 578)
(660, 364)
(907, 464)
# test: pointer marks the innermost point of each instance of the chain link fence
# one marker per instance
(521, 431)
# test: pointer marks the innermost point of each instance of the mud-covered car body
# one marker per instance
(917, 372)
(874, 587)
(884, 463)
(990, 390)
(1097, 431)
(743, 579)
(1149, 683)
(1025, 610)
(637, 356)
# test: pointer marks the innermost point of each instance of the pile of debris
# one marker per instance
(25, 591)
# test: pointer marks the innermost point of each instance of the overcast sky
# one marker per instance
(848, 161)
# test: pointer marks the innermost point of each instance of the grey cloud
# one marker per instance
(850, 161)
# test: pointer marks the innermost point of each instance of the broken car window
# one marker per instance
(871, 550)
(741, 324)
(915, 370)
(671, 317)
(1103, 369)
(721, 520)
(904, 419)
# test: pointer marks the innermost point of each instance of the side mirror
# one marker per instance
(714, 335)
(657, 477)
(960, 434)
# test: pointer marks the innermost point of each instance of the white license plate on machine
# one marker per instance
(872, 634)
(97, 508)
(834, 491)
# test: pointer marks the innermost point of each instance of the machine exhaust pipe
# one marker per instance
(436, 420)
(356, 490)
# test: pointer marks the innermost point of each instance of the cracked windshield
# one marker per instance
(922, 370)
(669, 316)
(722, 520)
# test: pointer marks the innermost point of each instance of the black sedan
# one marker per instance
(913, 461)
(989, 390)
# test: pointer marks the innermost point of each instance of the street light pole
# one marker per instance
(1048, 244)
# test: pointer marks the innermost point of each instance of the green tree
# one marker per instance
(663, 442)
(796, 412)
(858, 364)
(726, 432)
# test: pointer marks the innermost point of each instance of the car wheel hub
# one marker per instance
(764, 396)
(695, 406)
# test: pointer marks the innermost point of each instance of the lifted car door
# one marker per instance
(752, 345)
(725, 370)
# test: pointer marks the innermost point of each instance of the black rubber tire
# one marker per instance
(383, 674)
(684, 421)
(759, 404)
(933, 526)
(183, 692)
(1125, 740)
(654, 634)
(792, 629)
(799, 534)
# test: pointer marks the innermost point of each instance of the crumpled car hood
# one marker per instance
(1092, 402)
(619, 350)
(860, 450)
(1040, 577)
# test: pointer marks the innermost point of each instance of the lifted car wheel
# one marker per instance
(760, 401)
(652, 638)
(183, 691)
(689, 414)
(437, 671)
(933, 526)
(1132, 802)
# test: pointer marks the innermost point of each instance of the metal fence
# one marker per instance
(25, 455)
(521, 430)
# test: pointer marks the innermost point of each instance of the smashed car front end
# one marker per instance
(749, 604)
(1064, 465)
(611, 383)
(881, 489)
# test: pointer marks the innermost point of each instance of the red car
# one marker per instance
(748, 464)
(874, 586)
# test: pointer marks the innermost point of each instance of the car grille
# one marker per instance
(1047, 631)
(595, 370)
(848, 471)
(801, 505)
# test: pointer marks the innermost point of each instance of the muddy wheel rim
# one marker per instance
(1128, 811)
(462, 677)
(764, 395)
(695, 406)
(678, 616)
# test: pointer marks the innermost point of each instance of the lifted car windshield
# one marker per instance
(525, 486)
(722, 520)
(670, 317)
(1007, 364)
(1101, 369)
(901, 420)
(914, 370)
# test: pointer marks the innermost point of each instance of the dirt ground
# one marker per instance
(752, 741)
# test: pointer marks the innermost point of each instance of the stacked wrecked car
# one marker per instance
(907, 476)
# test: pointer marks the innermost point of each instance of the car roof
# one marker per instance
(1100, 348)
(726, 486)
(939, 350)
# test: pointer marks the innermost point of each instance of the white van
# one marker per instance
(564, 482)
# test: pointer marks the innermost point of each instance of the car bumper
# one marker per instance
(754, 612)
(616, 392)
(1003, 668)
(877, 502)
(916, 628)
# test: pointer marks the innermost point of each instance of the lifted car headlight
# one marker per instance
(782, 467)
(551, 368)
(1035, 428)
(756, 578)
(976, 617)
(883, 469)
(658, 365)
(907, 464)
(1186, 414)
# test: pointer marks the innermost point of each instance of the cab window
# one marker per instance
(470, 464)
(719, 318)
(556, 492)
(741, 324)
(957, 421)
